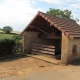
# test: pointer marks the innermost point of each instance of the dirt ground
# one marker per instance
(20, 66)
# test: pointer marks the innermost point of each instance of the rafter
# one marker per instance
(53, 37)
(48, 26)
(53, 33)
(35, 26)
(40, 26)
(43, 31)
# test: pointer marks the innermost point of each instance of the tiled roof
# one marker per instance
(70, 28)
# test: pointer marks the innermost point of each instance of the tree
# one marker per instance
(7, 29)
(67, 14)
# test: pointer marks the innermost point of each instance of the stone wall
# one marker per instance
(29, 37)
(73, 55)
(69, 52)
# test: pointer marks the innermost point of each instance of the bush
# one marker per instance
(17, 38)
(6, 46)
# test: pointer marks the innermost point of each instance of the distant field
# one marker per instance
(2, 36)
(1, 31)
(15, 32)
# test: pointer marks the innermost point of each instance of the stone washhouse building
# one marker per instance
(61, 33)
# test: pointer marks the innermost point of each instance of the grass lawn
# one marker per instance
(2, 36)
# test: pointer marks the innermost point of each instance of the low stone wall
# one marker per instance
(70, 49)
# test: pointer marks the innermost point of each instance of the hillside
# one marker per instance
(1, 31)
(3, 35)
(15, 32)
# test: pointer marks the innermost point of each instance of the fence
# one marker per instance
(41, 48)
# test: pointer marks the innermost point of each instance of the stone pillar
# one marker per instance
(70, 49)
(64, 49)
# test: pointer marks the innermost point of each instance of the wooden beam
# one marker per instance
(49, 30)
(56, 31)
(43, 31)
(48, 26)
(54, 37)
(33, 26)
(38, 26)
(53, 28)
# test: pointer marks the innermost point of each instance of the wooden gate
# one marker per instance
(41, 48)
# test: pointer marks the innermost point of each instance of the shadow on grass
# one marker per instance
(12, 57)
(75, 62)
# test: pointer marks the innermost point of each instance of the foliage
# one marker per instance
(6, 46)
(67, 14)
(17, 38)
(7, 29)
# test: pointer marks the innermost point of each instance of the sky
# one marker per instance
(18, 13)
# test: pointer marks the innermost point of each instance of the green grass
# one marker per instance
(9, 36)
(2, 36)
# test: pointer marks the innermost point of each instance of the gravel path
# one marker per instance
(29, 68)
(65, 73)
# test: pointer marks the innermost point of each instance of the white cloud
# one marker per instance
(34, 2)
(73, 1)
(17, 11)
(54, 1)
(76, 5)
(60, 1)
(20, 12)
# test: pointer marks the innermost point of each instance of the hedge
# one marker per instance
(7, 46)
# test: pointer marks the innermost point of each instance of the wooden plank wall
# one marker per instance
(41, 48)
